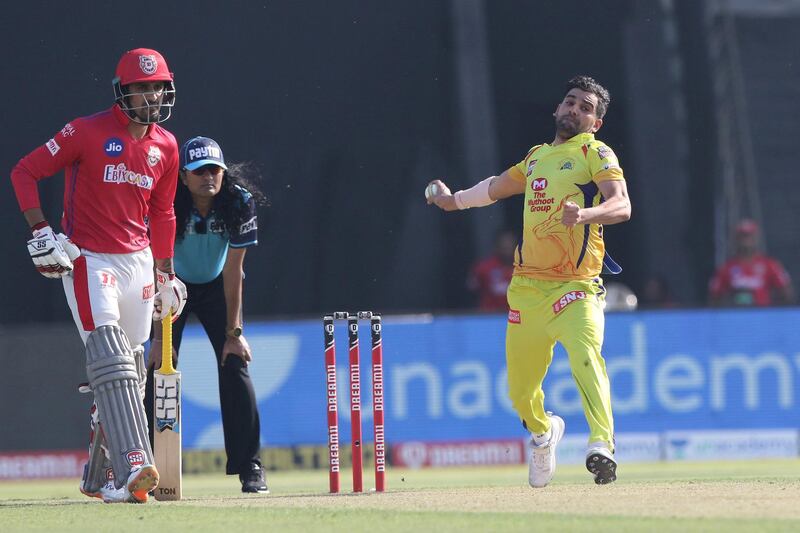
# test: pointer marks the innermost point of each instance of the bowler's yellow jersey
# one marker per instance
(554, 175)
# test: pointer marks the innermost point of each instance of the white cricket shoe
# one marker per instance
(600, 462)
(542, 463)
(107, 490)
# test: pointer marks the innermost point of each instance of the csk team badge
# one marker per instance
(153, 156)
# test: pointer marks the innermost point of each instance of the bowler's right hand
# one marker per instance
(439, 194)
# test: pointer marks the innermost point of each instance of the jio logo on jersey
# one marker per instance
(113, 147)
(539, 184)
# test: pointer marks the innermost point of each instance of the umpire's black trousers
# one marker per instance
(240, 421)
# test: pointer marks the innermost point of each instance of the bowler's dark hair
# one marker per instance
(227, 203)
(588, 84)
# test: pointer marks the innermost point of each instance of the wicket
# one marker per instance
(355, 399)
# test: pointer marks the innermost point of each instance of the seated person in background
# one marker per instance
(656, 294)
(620, 297)
(489, 277)
(750, 278)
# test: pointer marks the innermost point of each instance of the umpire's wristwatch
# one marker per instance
(234, 332)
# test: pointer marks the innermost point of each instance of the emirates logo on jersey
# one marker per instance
(539, 184)
(148, 64)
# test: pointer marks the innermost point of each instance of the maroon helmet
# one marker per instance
(144, 65)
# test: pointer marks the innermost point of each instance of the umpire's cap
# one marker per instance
(199, 151)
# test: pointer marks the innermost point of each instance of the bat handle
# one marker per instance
(166, 344)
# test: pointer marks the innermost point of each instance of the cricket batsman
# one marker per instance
(121, 170)
(573, 187)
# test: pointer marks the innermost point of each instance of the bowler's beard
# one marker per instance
(567, 127)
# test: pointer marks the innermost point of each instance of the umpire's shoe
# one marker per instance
(253, 479)
(600, 462)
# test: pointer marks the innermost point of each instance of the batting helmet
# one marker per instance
(144, 65)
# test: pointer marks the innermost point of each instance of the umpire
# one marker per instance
(215, 211)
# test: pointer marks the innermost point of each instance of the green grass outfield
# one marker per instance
(751, 496)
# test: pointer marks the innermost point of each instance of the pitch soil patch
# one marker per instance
(691, 499)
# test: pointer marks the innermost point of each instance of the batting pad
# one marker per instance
(141, 370)
(95, 473)
(112, 373)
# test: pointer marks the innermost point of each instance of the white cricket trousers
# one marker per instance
(112, 289)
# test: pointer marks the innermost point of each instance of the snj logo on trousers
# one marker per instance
(514, 317)
(567, 299)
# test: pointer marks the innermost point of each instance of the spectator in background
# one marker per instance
(656, 294)
(620, 297)
(750, 278)
(489, 277)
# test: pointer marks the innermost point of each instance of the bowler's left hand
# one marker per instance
(571, 215)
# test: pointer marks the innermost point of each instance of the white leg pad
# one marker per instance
(98, 472)
(141, 369)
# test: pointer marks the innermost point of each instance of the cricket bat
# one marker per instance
(167, 423)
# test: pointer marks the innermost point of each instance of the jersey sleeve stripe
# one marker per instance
(243, 244)
(609, 174)
(586, 229)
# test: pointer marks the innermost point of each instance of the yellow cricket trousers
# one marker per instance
(541, 314)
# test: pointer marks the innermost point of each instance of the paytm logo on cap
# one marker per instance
(204, 151)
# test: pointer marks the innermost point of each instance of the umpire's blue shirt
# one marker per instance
(201, 253)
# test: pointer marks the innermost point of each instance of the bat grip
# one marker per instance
(166, 344)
